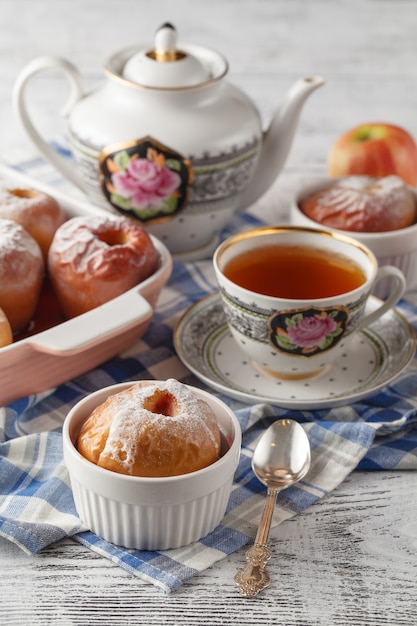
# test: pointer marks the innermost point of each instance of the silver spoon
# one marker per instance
(281, 458)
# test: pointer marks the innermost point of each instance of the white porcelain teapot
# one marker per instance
(167, 140)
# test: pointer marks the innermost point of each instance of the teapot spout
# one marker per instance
(278, 138)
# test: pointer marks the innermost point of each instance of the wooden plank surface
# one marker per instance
(351, 559)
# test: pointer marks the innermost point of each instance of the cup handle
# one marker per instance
(391, 301)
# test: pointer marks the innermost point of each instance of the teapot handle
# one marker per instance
(19, 104)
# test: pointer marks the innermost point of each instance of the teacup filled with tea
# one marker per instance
(294, 296)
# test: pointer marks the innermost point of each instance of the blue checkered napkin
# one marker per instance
(36, 505)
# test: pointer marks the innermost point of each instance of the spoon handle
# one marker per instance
(253, 577)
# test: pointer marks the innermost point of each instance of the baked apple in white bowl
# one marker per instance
(381, 213)
(151, 463)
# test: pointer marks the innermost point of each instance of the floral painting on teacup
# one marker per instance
(145, 179)
(307, 332)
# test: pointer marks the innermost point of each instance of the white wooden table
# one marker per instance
(351, 559)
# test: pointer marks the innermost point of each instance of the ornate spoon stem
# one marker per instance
(253, 577)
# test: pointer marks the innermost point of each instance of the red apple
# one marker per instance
(375, 150)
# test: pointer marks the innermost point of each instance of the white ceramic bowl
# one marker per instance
(397, 247)
(151, 513)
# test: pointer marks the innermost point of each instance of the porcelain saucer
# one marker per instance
(374, 358)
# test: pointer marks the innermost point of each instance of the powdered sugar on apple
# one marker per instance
(138, 420)
(363, 204)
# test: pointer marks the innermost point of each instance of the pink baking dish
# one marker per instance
(49, 358)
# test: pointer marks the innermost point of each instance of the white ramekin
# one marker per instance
(396, 247)
(151, 513)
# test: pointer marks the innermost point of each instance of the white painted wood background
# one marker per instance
(352, 559)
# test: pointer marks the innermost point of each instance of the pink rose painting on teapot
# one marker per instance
(145, 179)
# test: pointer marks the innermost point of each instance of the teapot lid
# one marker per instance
(165, 66)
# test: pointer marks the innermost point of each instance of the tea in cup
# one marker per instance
(294, 297)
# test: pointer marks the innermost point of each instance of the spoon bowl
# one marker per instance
(281, 458)
(282, 455)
